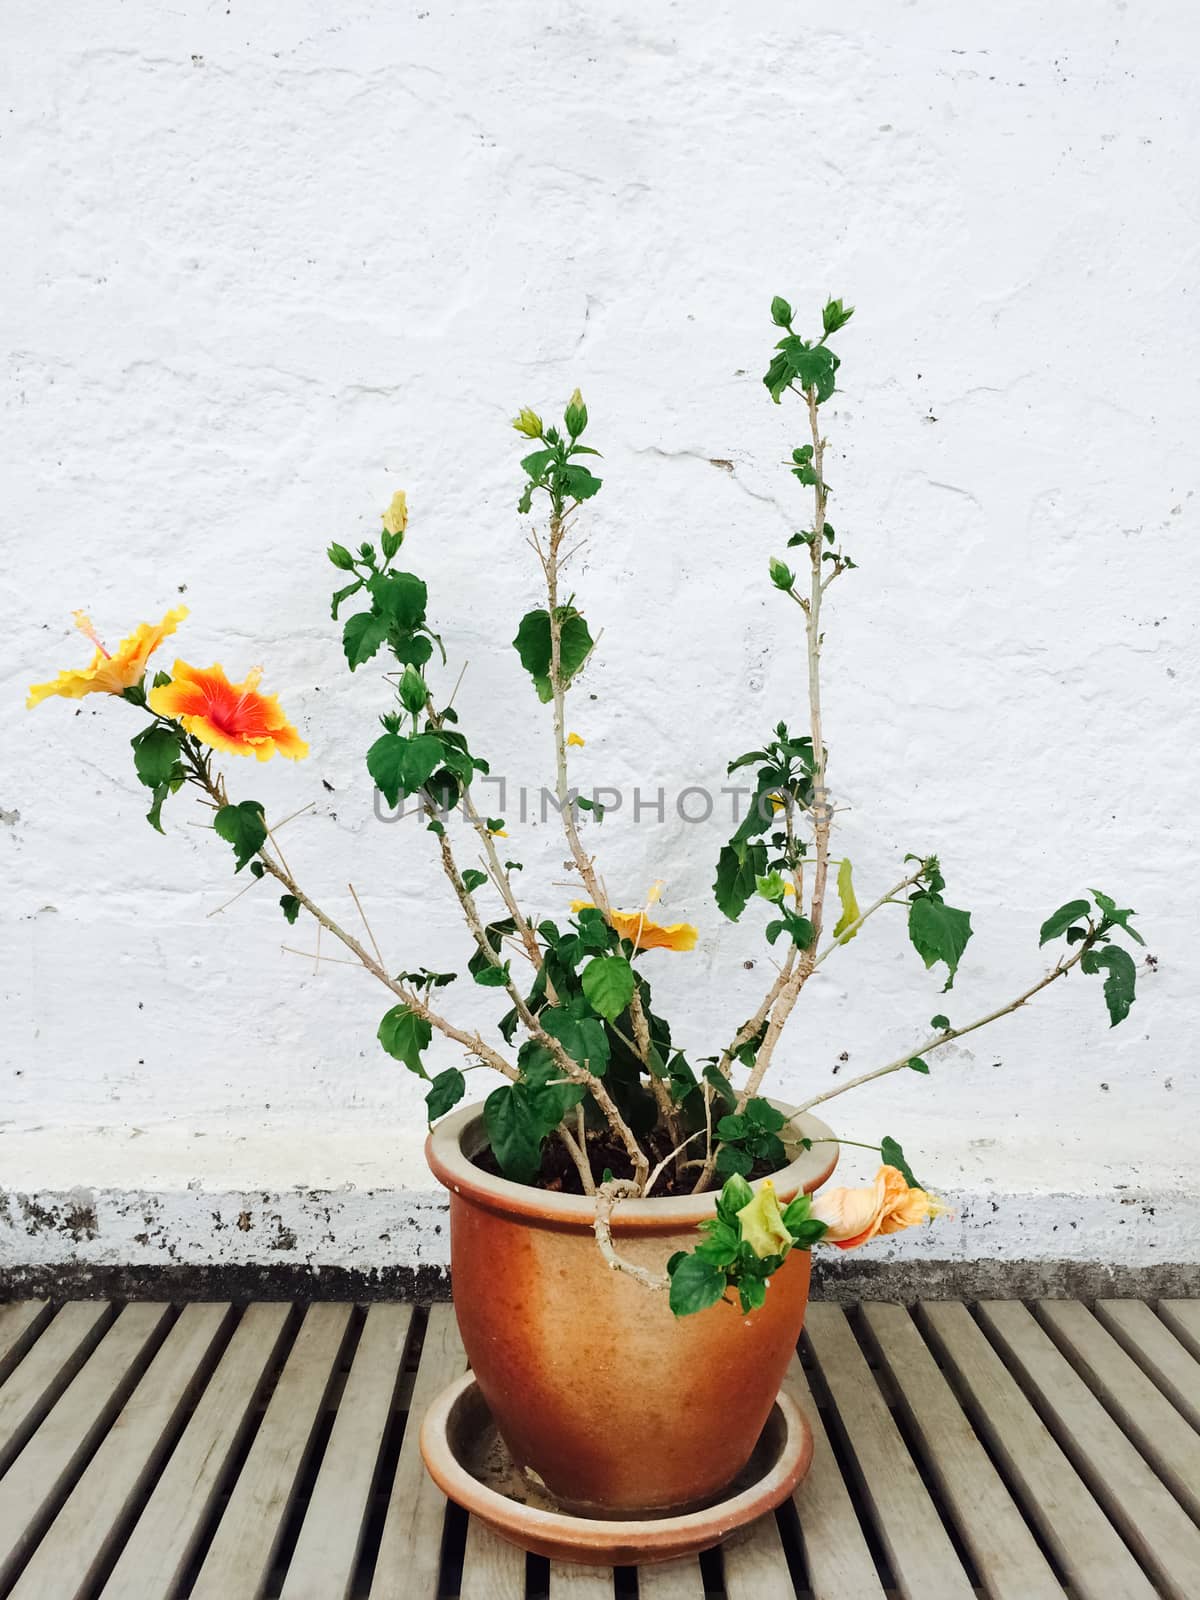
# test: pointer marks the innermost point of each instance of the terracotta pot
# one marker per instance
(618, 1407)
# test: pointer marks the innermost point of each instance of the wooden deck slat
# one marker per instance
(1157, 1351)
(248, 1534)
(1083, 1540)
(756, 1567)
(51, 1364)
(1167, 1440)
(323, 1564)
(20, 1324)
(839, 1562)
(922, 1558)
(77, 1545)
(1160, 1532)
(493, 1569)
(31, 1493)
(571, 1582)
(410, 1550)
(671, 1580)
(1004, 1552)
(164, 1538)
(1183, 1319)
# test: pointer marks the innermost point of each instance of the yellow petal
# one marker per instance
(655, 894)
(528, 422)
(395, 518)
(763, 1227)
(573, 738)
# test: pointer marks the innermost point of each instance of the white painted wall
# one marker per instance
(265, 264)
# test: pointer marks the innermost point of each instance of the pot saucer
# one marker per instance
(468, 1461)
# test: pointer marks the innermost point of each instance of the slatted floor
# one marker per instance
(149, 1452)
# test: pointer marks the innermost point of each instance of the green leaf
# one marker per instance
(492, 977)
(1055, 926)
(764, 1115)
(514, 1132)
(781, 312)
(731, 1127)
(404, 1035)
(579, 483)
(533, 646)
(850, 912)
(1117, 916)
(154, 815)
(938, 932)
(696, 1284)
(608, 985)
(1121, 982)
(385, 761)
(939, 1022)
(290, 906)
(411, 649)
(156, 755)
(583, 1038)
(400, 598)
(341, 595)
(445, 1092)
(731, 1159)
(361, 637)
(892, 1156)
(918, 1065)
(735, 1195)
(473, 879)
(244, 827)
(717, 1080)
(738, 870)
(420, 760)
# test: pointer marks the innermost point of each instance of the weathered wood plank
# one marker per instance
(1145, 1415)
(919, 1551)
(323, 1563)
(410, 1550)
(165, 1536)
(1005, 1553)
(836, 1554)
(571, 1582)
(1158, 1530)
(38, 1381)
(1183, 1319)
(755, 1565)
(1084, 1542)
(1157, 1351)
(493, 1569)
(31, 1494)
(671, 1580)
(97, 1511)
(20, 1324)
(247, 1537)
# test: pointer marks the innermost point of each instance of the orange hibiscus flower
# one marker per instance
(111, 672)
(231, 717)
(644, 934)
(853, 1216)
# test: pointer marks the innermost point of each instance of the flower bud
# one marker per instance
(395, 518)
(528, 422)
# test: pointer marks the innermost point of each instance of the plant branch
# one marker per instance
(950, 1034)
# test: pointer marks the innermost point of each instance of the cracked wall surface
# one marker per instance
(267, 265)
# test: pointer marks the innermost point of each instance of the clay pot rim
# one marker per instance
(458, 1137)
(597, 1538)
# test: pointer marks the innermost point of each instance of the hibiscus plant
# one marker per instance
(597, 1096)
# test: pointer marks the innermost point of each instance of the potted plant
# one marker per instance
(629, 1218)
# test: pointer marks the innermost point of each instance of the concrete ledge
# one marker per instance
(845, 1282)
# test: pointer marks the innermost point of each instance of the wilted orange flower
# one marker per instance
(853, 1216)
(231, 717)
(109, 673)
(646, 935)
